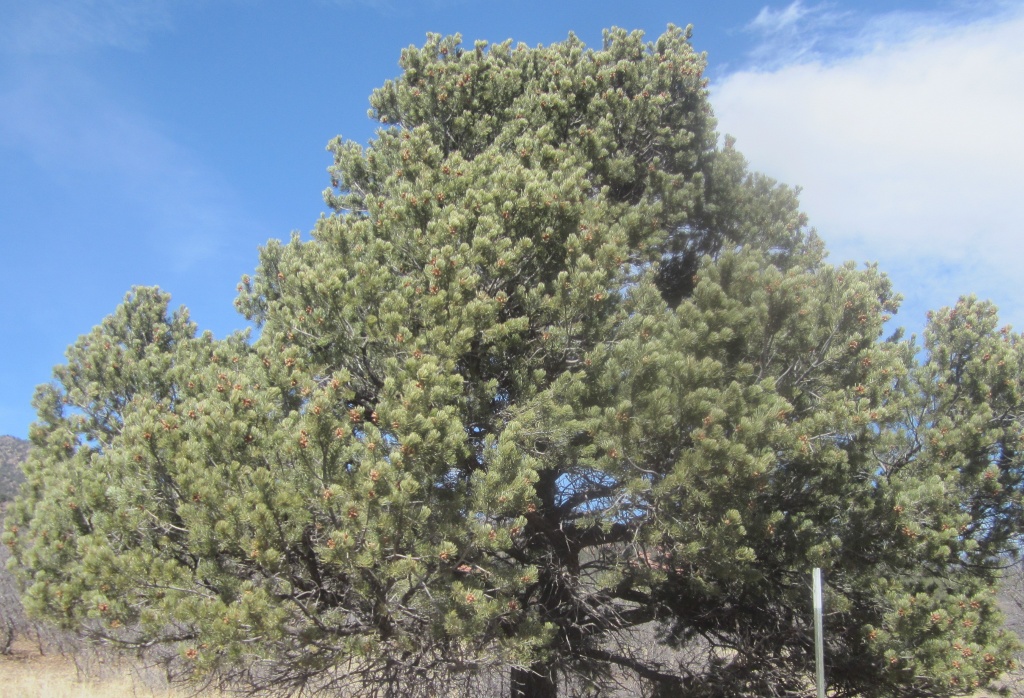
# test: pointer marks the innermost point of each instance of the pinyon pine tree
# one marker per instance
(561, 393)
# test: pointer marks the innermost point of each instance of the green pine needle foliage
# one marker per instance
(558, 376)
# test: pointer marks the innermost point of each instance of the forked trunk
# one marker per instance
(535, 682)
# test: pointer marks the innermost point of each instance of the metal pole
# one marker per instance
(819, 643)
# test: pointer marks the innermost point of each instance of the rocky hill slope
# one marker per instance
(12, 452)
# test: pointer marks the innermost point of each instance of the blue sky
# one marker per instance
(162, 141)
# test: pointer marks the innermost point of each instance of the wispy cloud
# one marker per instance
(828, 32)
(397, 7)
(56, 111)
(771, 21)
(33, 27)
(794, 32)
(82, 137)
(907, 142)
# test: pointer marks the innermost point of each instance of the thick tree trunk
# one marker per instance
(535, 682)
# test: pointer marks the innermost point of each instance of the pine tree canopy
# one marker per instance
(561, 394)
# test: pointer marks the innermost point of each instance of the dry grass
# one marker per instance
(26, 674)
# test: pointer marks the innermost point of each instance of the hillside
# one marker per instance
(12, 452)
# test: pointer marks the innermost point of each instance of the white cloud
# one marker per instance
(910, 149)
